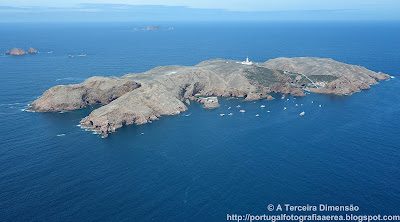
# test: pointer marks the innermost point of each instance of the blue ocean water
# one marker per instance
(198, 166)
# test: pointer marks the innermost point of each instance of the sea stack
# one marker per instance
(210, 102)
(17, 52)
(32, 51)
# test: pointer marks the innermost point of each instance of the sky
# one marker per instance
(196, 10)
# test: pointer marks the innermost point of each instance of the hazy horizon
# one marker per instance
(156, 10)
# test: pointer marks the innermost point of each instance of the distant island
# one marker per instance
(153, 28)
(18, 52)
(138, 98)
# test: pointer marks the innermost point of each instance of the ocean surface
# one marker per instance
(197, 166)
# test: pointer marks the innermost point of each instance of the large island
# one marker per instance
(142, 97)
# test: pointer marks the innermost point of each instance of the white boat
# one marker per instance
(50, 52)
(222, 114)
(262, 106)
(229, 107)
(268, 111)
(320, 106)
(302, 113)
(82, 54)
(238, 106)
(284, 108)
(257, 115)
(297, 105)
(230, 114)
(242, 111)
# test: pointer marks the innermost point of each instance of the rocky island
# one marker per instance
(32, 51)
(138, 98)
(154, 28)
(18, 52)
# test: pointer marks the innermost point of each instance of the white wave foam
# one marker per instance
(70, 79)
(11, 104)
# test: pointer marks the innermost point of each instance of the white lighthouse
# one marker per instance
(247, 62)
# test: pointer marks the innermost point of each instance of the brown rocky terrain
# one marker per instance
(32, 51)
(17, 52)
(142, 97)
(329, 76)
(95, 90)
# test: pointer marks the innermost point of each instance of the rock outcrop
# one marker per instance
(32, 51)
(7, 52)
(17, 52)
(258, 96)
(142, 97)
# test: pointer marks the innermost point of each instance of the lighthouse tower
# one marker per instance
(247, 62)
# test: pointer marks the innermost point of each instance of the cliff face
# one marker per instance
(137, 107)
(95, 90)
(142, 97)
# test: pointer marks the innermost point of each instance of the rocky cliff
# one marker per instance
(142, 97)
(95, 90)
